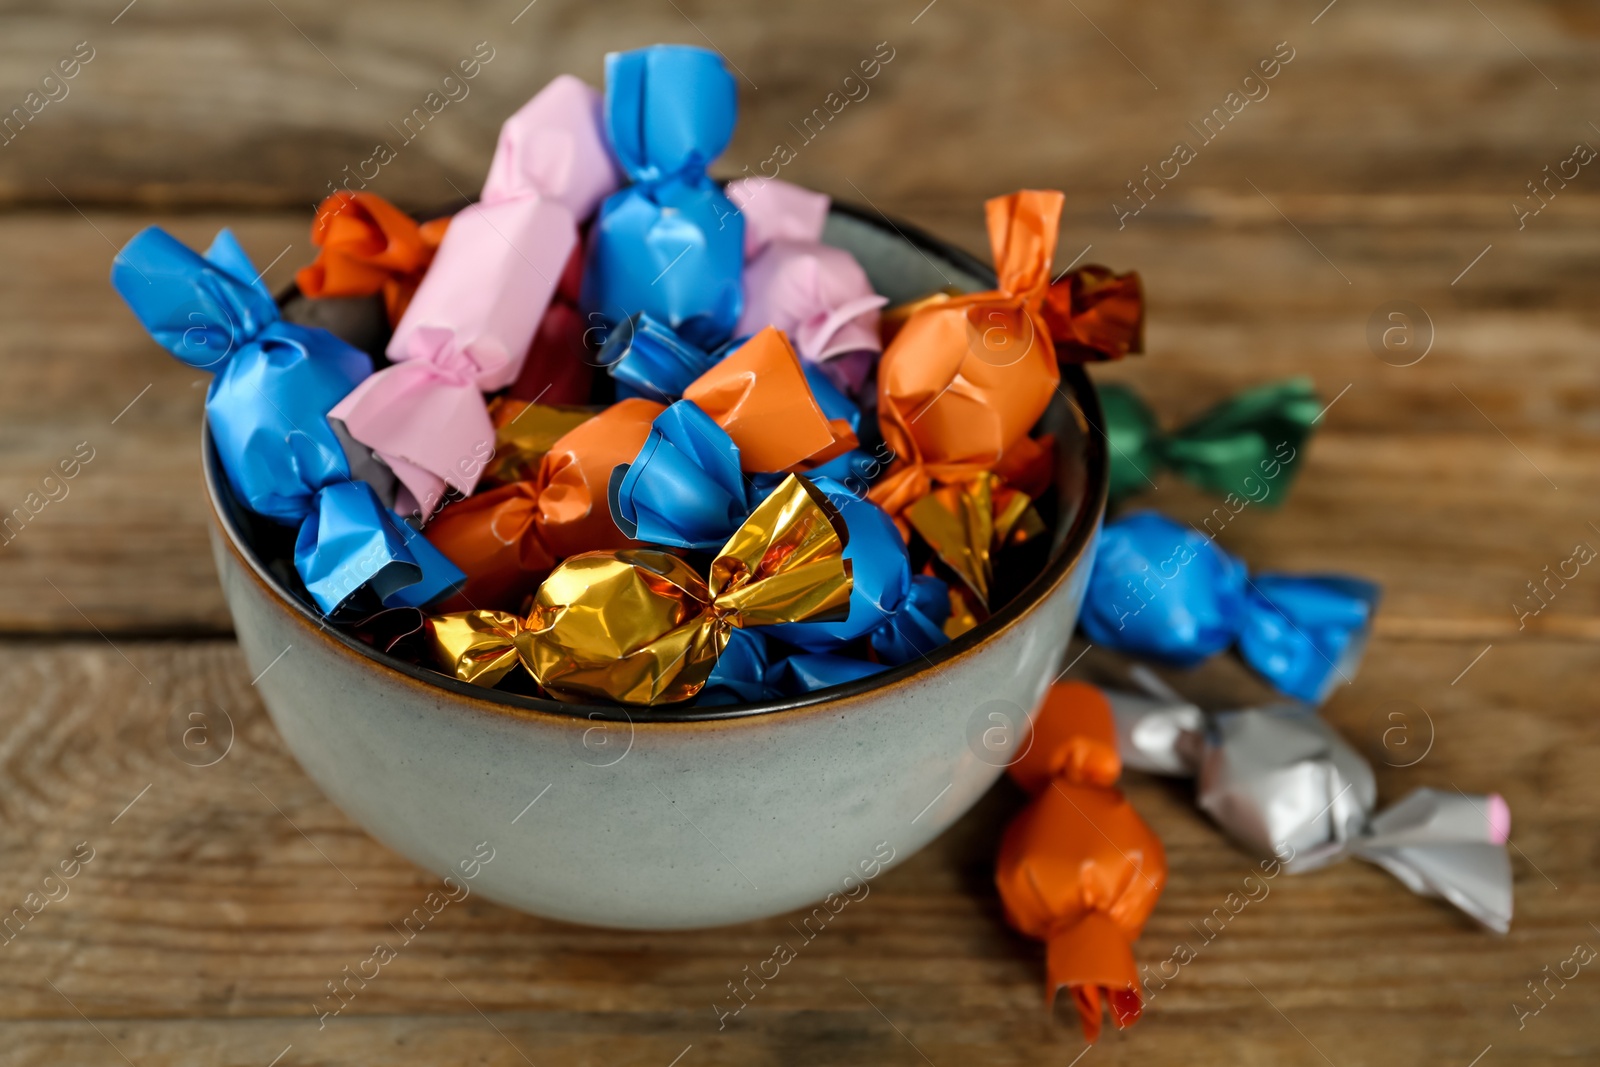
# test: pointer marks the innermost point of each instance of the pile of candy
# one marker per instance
(635, 436)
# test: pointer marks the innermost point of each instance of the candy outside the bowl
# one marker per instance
(1078, 869)
(1165, 592)
(1248, 447)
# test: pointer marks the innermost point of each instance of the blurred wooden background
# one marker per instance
(1382, 166)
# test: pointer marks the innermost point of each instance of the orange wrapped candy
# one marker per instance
(1095, 314)
(367, 246)
(965, 379)
(759, 395)
(509, 538)
(1078, 869)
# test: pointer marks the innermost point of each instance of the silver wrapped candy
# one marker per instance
(1283, 783)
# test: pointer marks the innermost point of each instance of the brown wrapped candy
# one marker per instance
(1095, 314)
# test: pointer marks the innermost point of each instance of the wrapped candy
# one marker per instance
(969, 525)
(1096, 314)
(646, 358)
(524, 433)
(900, 626)
(1281, 782)
(1078, 869)
(671, 244)
(473, 318)
(1165, 592)
(965, 379)
(640, 626)
(806, 672)
(366, 245)
(267, 408)
(1247, 447)
(751, 412)
(507, 539)
(817, 294)
(740, 676)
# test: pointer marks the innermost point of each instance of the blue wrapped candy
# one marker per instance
(740, 676)
(685, 487)
(670, 245)
(809, 671)
(883, 607)
(647, 359)
(1165, 592)
(267, 408)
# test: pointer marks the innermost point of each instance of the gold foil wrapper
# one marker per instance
(968, 525)
(640, 626)
(523, 433)
(475, 646)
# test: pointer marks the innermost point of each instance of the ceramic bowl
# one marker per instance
(644, 819)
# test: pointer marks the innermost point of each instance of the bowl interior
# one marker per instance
(903, 263)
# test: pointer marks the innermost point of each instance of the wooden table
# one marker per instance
(1381, 167)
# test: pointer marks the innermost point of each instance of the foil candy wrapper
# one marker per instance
(642, 627)
(1078, 869)
(1284, 784)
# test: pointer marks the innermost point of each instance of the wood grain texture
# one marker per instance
(209, 919)
(1381, 167)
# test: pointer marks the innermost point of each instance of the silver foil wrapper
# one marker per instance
(1283, 783)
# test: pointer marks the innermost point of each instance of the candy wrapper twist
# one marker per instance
(267, 409)
(1247, 448)
(1078, 869)
(1166, 592)
(1281, 782)
(641, 626)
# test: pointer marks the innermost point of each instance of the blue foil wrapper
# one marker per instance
(885, 604)
(671, 244)
(647, 359)
(1165, 592)
(740, 676)
(267, 408)
(685, 488)
(809, 671)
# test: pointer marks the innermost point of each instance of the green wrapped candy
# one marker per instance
(1250, 445)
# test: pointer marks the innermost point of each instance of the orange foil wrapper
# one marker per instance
(509, 538)
(1078, 869)
(760, 396)
(366, 245)
(1095, 314)
(966, 378)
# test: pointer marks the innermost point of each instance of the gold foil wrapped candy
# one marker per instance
(640, 626)
(969, 524)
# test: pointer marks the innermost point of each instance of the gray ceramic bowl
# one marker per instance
(672, 820)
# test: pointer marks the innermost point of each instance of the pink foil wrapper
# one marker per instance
(469, 327)
(817, 294)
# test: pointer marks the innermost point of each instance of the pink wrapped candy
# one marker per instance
(817, 294)
(469, 327)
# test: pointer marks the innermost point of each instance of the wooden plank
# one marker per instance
(206, 921)
(1419, 473)
(274, 101)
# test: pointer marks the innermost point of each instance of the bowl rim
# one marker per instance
(1079, 392)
